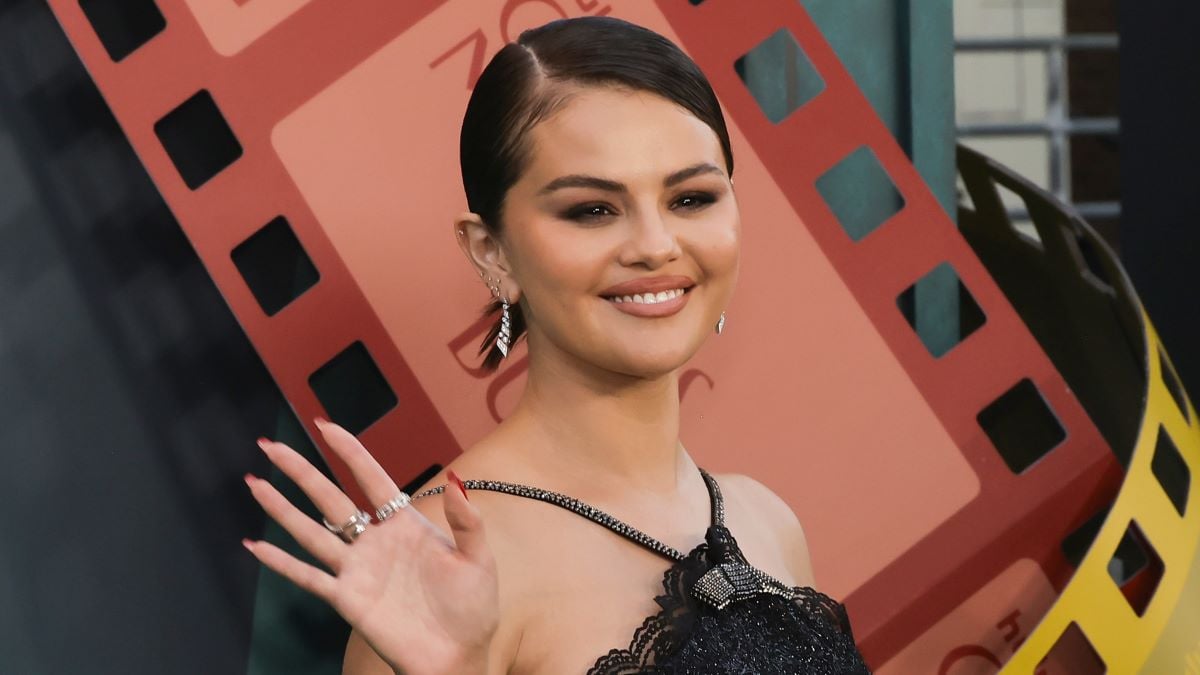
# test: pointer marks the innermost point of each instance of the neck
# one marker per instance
(608, 431)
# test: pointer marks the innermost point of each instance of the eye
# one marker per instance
(694, 201)
(588, 212)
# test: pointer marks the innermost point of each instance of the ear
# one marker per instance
(486, 254)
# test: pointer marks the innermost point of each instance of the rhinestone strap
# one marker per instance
(714, 494)
(592, 513)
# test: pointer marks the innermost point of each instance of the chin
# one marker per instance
(648, 362)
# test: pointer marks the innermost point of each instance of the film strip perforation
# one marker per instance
(175, 66)
(868, 259)
(1120, 623)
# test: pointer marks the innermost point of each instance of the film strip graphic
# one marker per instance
(223, 74)
(1133, 604)
(174, 88)
(1015, 516)
(1150, 622)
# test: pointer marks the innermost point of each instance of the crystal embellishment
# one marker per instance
(571, 504)
(732, 581)
(502, 340)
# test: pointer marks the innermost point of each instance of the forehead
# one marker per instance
(615, 133)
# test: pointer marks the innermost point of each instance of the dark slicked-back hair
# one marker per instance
(524, 83)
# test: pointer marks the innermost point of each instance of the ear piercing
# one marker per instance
(720, 324)
(504, 337)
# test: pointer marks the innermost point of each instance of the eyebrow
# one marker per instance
(581, 180)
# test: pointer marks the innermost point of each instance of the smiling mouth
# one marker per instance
(648, 298)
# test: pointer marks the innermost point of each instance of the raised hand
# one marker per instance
(425, 603)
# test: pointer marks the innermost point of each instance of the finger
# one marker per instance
(307, 532)
(300, 573)
(370, 476)
(466, 523)
(329, 500)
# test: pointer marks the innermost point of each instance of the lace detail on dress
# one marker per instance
(805, 633)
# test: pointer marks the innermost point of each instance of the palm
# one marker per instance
(436, 595)
(425, 603)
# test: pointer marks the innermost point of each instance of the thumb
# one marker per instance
(466, 523)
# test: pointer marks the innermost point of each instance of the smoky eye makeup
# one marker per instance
(695, 200)
(691, 200)
(588, 212)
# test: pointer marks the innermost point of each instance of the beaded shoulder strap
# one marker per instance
(592, 513)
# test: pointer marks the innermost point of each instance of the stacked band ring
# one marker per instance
(348, 532)
(392, 505)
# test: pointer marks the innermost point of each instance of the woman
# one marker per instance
(598, 171)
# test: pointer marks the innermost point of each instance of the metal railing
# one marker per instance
(1058, 125)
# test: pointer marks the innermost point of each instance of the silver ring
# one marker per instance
(354, 526)
(392, 505)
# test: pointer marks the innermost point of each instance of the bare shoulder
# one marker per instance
(432, 505)
(776, 515)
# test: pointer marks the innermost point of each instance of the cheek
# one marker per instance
(718, 247)
(557, 261)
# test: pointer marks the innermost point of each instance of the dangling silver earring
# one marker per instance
(720, 324)
(505, 335)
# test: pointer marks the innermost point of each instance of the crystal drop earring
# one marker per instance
(720, 324)
(505, 335)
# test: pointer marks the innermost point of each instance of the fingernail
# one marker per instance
(249, 478)
(457, 481)
(320, 421)
(248, 544)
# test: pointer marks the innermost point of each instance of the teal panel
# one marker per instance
(860, 193)
(901, 55)
(779, 75)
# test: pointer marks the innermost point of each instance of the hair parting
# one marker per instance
(528, 80)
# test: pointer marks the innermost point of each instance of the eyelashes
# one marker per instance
(587, 213)
(596, 211)
(699, 199)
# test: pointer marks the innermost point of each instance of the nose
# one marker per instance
(651, 243)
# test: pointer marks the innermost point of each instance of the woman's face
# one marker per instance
(625, 194)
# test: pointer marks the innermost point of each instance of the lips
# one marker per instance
(650, 297)
(648, 285)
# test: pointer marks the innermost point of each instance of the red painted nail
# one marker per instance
(458, 481)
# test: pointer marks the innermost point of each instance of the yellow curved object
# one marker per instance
(1166, 638)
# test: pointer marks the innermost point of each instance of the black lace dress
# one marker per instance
(719, 615)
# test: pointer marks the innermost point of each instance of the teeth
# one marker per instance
(650, 298)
